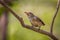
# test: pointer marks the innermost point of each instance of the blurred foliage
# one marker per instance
(12, 4)
(44, 9)
(1, 10)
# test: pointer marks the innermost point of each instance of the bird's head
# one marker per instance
(30, 14)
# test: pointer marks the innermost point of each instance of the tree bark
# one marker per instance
(3, 24)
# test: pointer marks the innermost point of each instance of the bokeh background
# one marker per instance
(44, 9)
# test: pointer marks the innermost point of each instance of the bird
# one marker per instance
(35, 21)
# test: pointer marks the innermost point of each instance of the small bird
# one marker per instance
(35, 21)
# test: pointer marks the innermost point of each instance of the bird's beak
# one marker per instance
(26, 13)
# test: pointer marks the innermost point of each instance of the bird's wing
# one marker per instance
(40, 20)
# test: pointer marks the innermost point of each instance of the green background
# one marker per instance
(44, 9)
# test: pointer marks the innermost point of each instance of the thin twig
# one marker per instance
(27, 26)
(56, 12)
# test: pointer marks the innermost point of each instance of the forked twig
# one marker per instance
(56, 12)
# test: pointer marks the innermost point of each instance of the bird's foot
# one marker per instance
(38, 28)
(32, 26)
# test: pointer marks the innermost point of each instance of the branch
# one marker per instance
(56, 12)
(27, 26)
